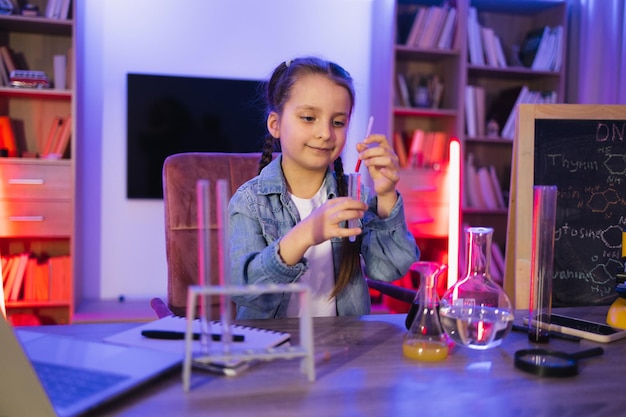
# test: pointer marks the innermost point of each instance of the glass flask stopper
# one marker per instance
(476, 312)
(426, 340)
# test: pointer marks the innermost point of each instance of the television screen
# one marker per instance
(172, 114)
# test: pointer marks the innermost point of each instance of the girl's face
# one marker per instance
(314, 123)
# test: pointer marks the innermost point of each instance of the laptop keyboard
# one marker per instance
(66, 385)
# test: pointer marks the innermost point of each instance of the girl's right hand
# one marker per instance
(322, 224)
(327, 221)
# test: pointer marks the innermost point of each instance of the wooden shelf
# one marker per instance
(37, 196)
(511, 20)
(40, 25)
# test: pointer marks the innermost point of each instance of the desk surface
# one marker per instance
(361, 372)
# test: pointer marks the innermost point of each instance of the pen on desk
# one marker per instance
(556, 335)
(368, 132)
(173, 335)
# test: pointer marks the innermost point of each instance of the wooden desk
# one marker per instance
(366, 375)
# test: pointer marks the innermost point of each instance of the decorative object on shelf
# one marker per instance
(28, 79)
(30, 10)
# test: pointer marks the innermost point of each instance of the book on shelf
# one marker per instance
(29, 279)
(488, 38)
(7, 59)
(53, 132)
(403, 90)
(472, 185)
(57, 9)
(475, 46)
(447, 32)
(8, 274)
(416, 157)
(4, 74)
(254, 339)
(526, 97)
(496, 186)
(20, 270)
(480, 101)
(58, 137)
(60, 277)
(558, 50)
(432, 28)
(486, 188)
(400, 148)
(497, 263)
(500, 53)
(439, 149)
(63, 139)
(7, 136)
(470, 111)
(42, 281)
(540, 62)
(417, 27)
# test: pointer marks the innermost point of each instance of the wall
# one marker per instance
(120, 245)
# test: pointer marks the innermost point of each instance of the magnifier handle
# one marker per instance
(587, 353)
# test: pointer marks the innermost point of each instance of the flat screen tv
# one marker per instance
(173, 114)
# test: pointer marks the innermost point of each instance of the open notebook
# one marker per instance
(48, 375)
(253, 339)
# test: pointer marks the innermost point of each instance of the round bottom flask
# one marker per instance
(476, 312)
(426, 340)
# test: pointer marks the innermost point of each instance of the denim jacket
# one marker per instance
(261, 212)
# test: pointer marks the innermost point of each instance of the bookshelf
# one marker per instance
(510, 22)
(37, 193)
(422, 184)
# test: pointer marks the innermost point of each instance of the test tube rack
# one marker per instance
(303, 350)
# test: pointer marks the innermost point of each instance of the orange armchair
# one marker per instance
(180, 175)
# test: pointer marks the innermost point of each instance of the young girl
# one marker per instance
(288, 224)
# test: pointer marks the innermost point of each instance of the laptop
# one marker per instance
(39, 371)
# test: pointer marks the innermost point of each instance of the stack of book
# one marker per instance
(484, 46)
(58, 9)
(541, 49)
(27, 277)
(422, 149)
(482, 188)
(58, 139)
(433, 27)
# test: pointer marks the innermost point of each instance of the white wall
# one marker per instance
(120, 244)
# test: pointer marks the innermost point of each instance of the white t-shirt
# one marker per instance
(320, 276)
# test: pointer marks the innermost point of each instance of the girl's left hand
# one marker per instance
(382, 163)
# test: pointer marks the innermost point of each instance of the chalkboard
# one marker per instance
(582, 150)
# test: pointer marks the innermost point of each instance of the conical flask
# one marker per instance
(426, 340)
(476, 312)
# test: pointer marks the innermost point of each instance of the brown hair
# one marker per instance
(277, 92)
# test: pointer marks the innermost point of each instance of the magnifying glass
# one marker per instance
(543, 362)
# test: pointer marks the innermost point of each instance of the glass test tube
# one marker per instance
(354, 191)
(542, 259)
(204, 258)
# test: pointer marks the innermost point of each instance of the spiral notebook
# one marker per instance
(245, 339)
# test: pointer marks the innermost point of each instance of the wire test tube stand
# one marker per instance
(200, 294)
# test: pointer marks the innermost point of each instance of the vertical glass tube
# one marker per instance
(204, 258)
(221, 187)
(542, 259)
(354, 191)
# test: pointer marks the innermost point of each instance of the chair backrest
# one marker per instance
(180, 175)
